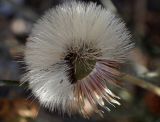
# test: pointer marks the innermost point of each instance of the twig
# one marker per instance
(12, 83)
(126, 77)
(141, 83)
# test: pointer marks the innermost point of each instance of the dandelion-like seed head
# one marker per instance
(72, 52)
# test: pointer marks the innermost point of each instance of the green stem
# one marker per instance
(126, 77)
(141, 83)
(12, 83)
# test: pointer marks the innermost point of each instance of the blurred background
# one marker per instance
(138, 105)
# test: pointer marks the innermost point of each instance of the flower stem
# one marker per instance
(126, 77)
(12, 83)
(141, 83)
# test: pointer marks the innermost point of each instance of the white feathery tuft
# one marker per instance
(70, 33)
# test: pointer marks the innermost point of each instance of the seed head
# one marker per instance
(72, 53)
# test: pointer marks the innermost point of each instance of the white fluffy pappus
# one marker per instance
(72, 52)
